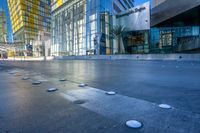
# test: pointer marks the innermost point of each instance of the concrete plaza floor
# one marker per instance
(140, 85)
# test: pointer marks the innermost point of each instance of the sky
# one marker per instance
(138, 2)
(3, 4)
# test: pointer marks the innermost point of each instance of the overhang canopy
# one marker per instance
(176, 13)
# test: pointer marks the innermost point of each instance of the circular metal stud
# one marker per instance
(134, 124)
(25, 78)
(165, 106)
(111, 93)
(82, 85)
(62, 79)
(52, 89)
(79, 102)
(36, 82)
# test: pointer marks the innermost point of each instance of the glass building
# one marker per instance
(136, 21)
(28, 17)
(83, 27)
(175, 26)
(3, 27)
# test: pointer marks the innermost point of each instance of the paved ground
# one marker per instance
(140, 87)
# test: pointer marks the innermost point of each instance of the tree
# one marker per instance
(117, 32)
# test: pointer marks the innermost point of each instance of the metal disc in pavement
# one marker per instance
(25, 78)
(36, 82)
(62, 79)
(82, 85)
(165, 106)
(52, 89)
(111, 93)
(134, 124)
(79, 102)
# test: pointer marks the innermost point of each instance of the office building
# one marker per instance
(175, 26)
(3, 27)
(42, 45)
(136, 24)
(83, 27)
(28, 18)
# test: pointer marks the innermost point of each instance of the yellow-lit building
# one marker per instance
(56, 3)
(28, 18)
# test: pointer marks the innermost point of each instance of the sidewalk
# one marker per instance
(28, 59)
(148, 57)
(30, 108)
(184, 57)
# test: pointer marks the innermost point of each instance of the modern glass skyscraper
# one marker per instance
(82, 27)
(3, 27)
(28, 17)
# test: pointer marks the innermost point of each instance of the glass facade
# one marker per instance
(81, 27)
(175, 39)
(76, 27)
(176, 26)
(136, 42)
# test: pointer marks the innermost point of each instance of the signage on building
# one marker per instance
(136, 18)
(131, 11)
